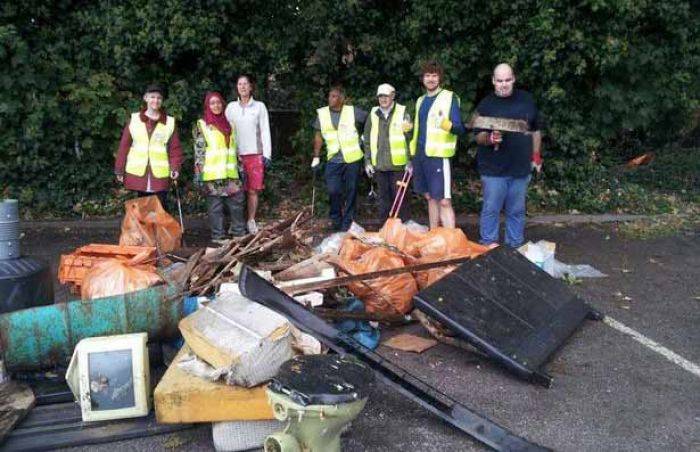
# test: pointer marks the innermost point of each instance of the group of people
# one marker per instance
(233, 149)
(387, 143)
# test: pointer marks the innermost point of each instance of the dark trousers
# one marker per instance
(216, 206)
(386, 183)
(341, 181)
(162, 197)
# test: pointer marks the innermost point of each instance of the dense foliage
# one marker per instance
(612, 76)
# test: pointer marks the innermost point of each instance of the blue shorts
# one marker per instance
(432, 175)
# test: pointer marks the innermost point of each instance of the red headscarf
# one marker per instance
(219, 121)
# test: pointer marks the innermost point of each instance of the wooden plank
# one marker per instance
(16, 399)
(344, 280)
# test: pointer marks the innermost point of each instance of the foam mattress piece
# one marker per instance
(181, 397)
(243, 435)
(245, 338)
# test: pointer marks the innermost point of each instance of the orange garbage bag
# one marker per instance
(146, 223)
(391, 294)
(351, 249)
(395, 233)
(118, 276)
(441, 244)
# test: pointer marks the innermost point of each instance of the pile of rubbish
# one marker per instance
(255, 373)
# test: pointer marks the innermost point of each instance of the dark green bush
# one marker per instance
(607, 73)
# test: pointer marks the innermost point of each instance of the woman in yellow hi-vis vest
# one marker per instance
(337, 126)
(150, 154)
(216, 168)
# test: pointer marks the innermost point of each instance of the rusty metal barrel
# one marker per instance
(9, 229)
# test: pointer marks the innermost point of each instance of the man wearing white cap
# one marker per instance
(386, 138)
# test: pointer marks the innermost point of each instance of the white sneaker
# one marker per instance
(252, 227)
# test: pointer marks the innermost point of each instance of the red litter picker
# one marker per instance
(400, 193)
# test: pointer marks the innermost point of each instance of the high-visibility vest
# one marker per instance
(147, 150)
(397, 140)
(345, 138)
(438, 142)
(220, 161)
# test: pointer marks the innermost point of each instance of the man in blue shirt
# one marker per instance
(436, 125)
(505, 159)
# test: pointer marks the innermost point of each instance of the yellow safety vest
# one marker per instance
(345, 138)
(438, 143)
(397, 140)
(151, 151)
(220, 161)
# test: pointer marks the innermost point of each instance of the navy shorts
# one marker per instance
(432, 175)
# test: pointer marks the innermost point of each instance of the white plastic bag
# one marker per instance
(542, 255)
(331, 244)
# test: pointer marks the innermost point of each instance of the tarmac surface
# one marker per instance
(610, 391)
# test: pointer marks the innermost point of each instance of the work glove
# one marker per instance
(267, 163)
(446, 125)
(407, 126)
(120, 178)
(316, 166)
(174, 174)
(369, 169)
(495, 139)
(409, 167)
(536, 163)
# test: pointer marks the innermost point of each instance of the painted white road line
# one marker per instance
(658, 348)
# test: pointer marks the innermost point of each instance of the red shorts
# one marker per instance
(254, 171)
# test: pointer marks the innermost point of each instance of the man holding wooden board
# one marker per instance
(507, 124)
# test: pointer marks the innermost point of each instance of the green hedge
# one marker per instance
(610, 76)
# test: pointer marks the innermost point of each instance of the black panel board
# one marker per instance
(60, 425)
(509, 308)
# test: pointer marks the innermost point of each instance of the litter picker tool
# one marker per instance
(372, 195)
(179, 209)
(400, 194)
(313, 191)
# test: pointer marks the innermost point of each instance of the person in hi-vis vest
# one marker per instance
(386, 139)
(338, 126)
(437, 123)
(150, 154)
(216, 169)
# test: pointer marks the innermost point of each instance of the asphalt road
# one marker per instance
(610, 392)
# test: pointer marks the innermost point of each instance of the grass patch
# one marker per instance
(662, 226)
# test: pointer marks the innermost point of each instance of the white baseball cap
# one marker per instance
(385, 89)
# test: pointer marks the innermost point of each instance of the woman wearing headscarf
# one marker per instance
(252, 124)
(216, 168)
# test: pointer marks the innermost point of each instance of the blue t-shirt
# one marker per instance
(514, 154)
(455, 117)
